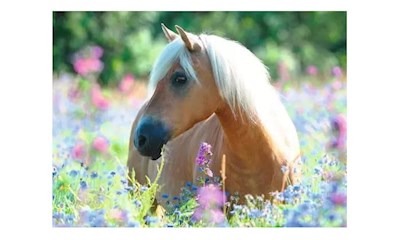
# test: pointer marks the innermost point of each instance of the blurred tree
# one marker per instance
(132, 40)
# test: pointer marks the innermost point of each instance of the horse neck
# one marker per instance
(248, 140)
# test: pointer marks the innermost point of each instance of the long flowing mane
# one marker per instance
(242, 79)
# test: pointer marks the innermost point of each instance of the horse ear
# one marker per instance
(170, 35)
(189, 41)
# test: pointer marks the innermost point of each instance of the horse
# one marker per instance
(206, 88)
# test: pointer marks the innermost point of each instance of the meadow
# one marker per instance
(91, 127)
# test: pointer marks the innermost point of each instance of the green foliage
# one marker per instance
(132, 40)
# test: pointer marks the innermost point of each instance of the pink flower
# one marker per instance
(118, 215)
(209, 215)
(126, 84)
(216, 216)
(338, 199)
(337, 84)
(210, 196)
(78, 151)
(88, 61)
(337, 71)
(100, 144)
(98, 99)
(312, 70)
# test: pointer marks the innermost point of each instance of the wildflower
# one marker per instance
(73, 173)
(318, 170)
(100, 144)
(83, 185)
(133, 224)
(337, 71)
(201, 160)
(210, 199)
(210, 195)
(96, 51)
(95, 218)
(339, 124)
(151, 220)
(88, 61)
(78, 151)
(55, 171)
(204, 152)
(176, 198)
(337, 84)
(165, 196)
(85, 66)
(98, 100)
(126, 83)
(94, 175)
(137, 203)
(118, 215)
(338, 199)
(312, 70)
(208, 172)
(255, 213)
(217, 216)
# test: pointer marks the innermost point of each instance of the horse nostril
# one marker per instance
(141, 140)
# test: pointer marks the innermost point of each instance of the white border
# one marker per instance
(26, 54)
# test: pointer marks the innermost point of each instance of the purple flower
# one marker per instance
(204, 151)
(96, 51)
(210, 195)
(339, 124)
(336, 71)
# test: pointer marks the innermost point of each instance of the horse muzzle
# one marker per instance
(150, 136)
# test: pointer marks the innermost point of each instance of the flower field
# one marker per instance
(91, 127)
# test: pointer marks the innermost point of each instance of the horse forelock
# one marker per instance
(174, 52)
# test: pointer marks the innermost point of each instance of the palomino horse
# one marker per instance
(209, 89)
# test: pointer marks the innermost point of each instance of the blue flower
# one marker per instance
(165, 196)
(151, 220)
(83, 185)
(176, 198)
(133, 224)
(94, 175)
(55, 171)
(73, 173)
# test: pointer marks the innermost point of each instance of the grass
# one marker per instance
(90, 179)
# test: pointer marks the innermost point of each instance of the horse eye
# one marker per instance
(179, 79)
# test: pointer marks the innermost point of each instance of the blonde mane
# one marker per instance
(242, 80)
